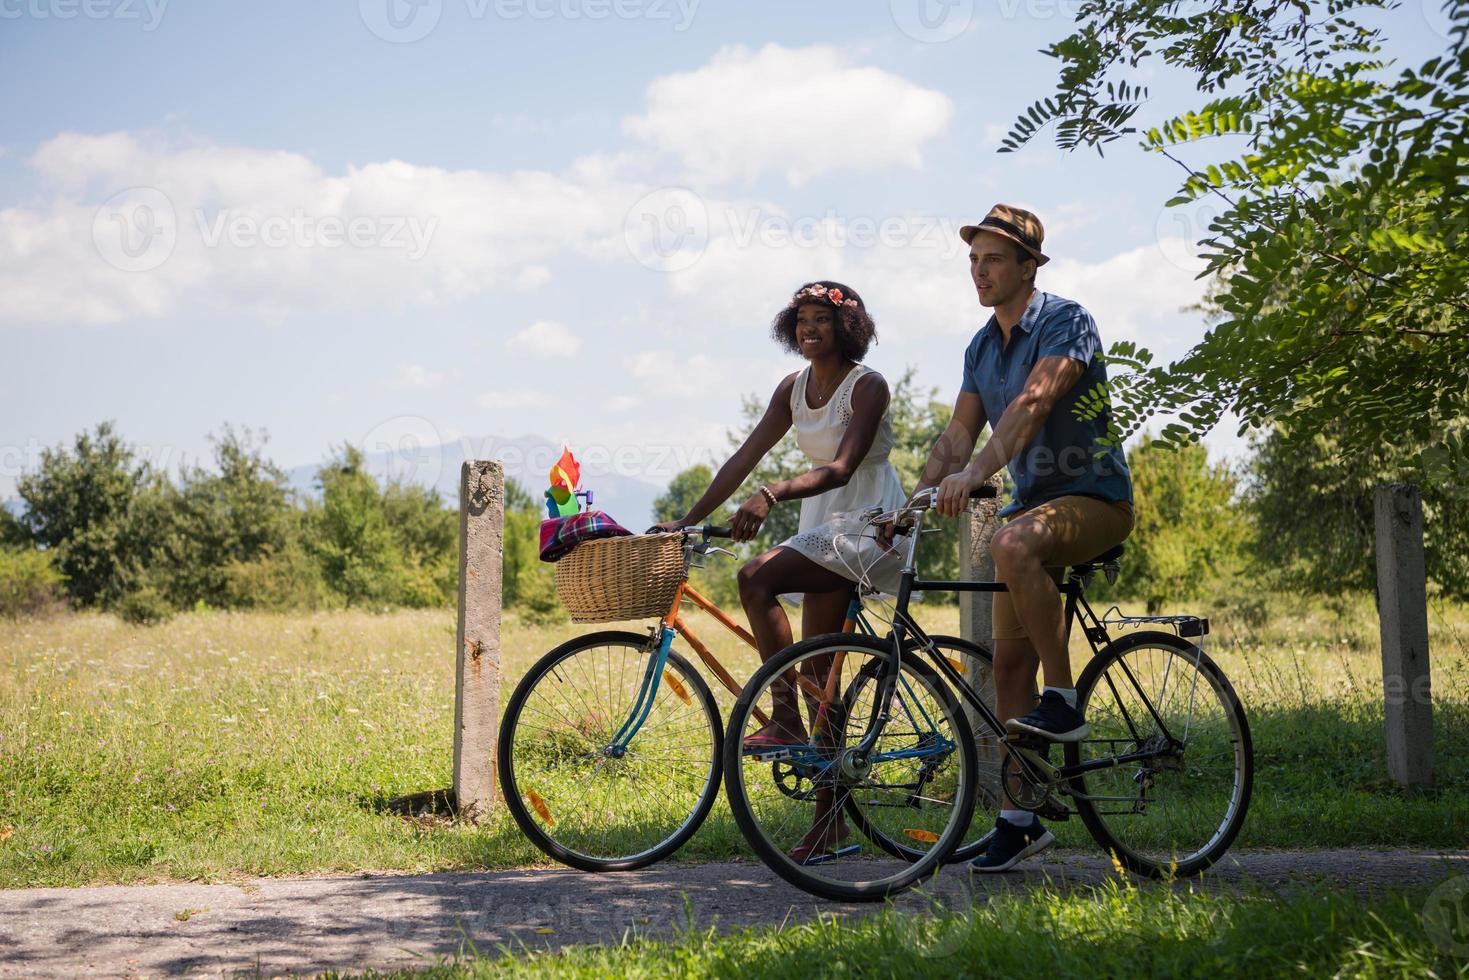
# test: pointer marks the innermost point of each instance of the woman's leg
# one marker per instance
(824, 609)
(824, 612)
(762, 580)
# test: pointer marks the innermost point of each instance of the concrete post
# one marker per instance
(977, 530)
(1402, 589)
(477, 689)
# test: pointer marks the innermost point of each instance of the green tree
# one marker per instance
(80, 507)
(529, 583)
(426, 531)
(1312, 500)
(12, 532)
(238, 513)
(684, 490)
(1191, 531)
(1341, 290)
(349, 534)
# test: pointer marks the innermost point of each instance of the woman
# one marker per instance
(839, 408)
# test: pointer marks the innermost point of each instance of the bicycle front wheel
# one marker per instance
(1175, 759)
(793, 802)
(975, 666)
(579, 796)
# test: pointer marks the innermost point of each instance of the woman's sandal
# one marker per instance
(809, 854)
(765, 740)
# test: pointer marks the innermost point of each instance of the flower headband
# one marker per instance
(816, 291)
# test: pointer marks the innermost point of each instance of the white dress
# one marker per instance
(829, 533)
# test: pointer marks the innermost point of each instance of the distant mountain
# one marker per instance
(406, 456)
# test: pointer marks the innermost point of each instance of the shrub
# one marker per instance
(29, 583)
(143, 606)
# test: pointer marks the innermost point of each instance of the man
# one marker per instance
(1024, 373)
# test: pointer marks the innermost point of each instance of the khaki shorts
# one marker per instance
(1081, 529)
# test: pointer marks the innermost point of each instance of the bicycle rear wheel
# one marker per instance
(917, 784)
(975, 665)
(1177, 812)
(574, 795)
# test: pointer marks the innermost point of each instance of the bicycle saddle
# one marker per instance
(1110, 555)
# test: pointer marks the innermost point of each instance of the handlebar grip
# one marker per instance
(716, 531)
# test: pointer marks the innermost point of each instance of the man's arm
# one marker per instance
(1051, 378)
(956, 445)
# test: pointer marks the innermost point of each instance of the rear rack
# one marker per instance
(1181, 625)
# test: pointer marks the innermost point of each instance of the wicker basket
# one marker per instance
(611, 579)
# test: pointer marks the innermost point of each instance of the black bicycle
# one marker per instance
(883, 788)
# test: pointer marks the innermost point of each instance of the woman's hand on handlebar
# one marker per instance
(747, 520)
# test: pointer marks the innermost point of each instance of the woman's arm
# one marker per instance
(869, 403)
(775, 423)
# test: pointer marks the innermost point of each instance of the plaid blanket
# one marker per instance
(560, 534)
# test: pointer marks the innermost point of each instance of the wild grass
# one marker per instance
(1109, 931)
(228, 744)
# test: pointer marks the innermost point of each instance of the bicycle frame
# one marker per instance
(673, 623)
(1076, 609)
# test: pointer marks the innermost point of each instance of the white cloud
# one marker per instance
(802, 112)
(532, 277)
(622, 403)
(271, 233)
(545, 338)
(510, 398)
(1135, 295)
(415, 377)
(671, 372)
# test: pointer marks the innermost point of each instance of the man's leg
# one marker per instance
(1020, 549)
(1029, 554)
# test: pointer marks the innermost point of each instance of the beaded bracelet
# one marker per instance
(769, 496)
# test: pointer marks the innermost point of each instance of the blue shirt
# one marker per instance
(1062, 459)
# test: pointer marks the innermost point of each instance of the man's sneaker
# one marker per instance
(1010, 845)
(1053, 719)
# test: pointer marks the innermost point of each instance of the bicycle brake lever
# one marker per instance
(704, 548)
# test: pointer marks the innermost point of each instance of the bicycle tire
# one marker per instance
(898, 876)
(1155, 862)
(565, 849)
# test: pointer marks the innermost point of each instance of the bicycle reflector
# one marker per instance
(539, 805)
(676, 686)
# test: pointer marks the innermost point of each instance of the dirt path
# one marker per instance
(351, 923)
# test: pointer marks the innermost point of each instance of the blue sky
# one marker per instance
(385, 221)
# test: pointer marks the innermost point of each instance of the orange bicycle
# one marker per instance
(611, 746)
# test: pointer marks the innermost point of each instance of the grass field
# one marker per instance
(227, 744)
(1111, 931)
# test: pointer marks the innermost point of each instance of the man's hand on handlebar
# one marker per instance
(669, 527)
(955, 491)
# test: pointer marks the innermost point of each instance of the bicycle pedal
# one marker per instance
(1025, 740)
(769, 755)
(1053, 811)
